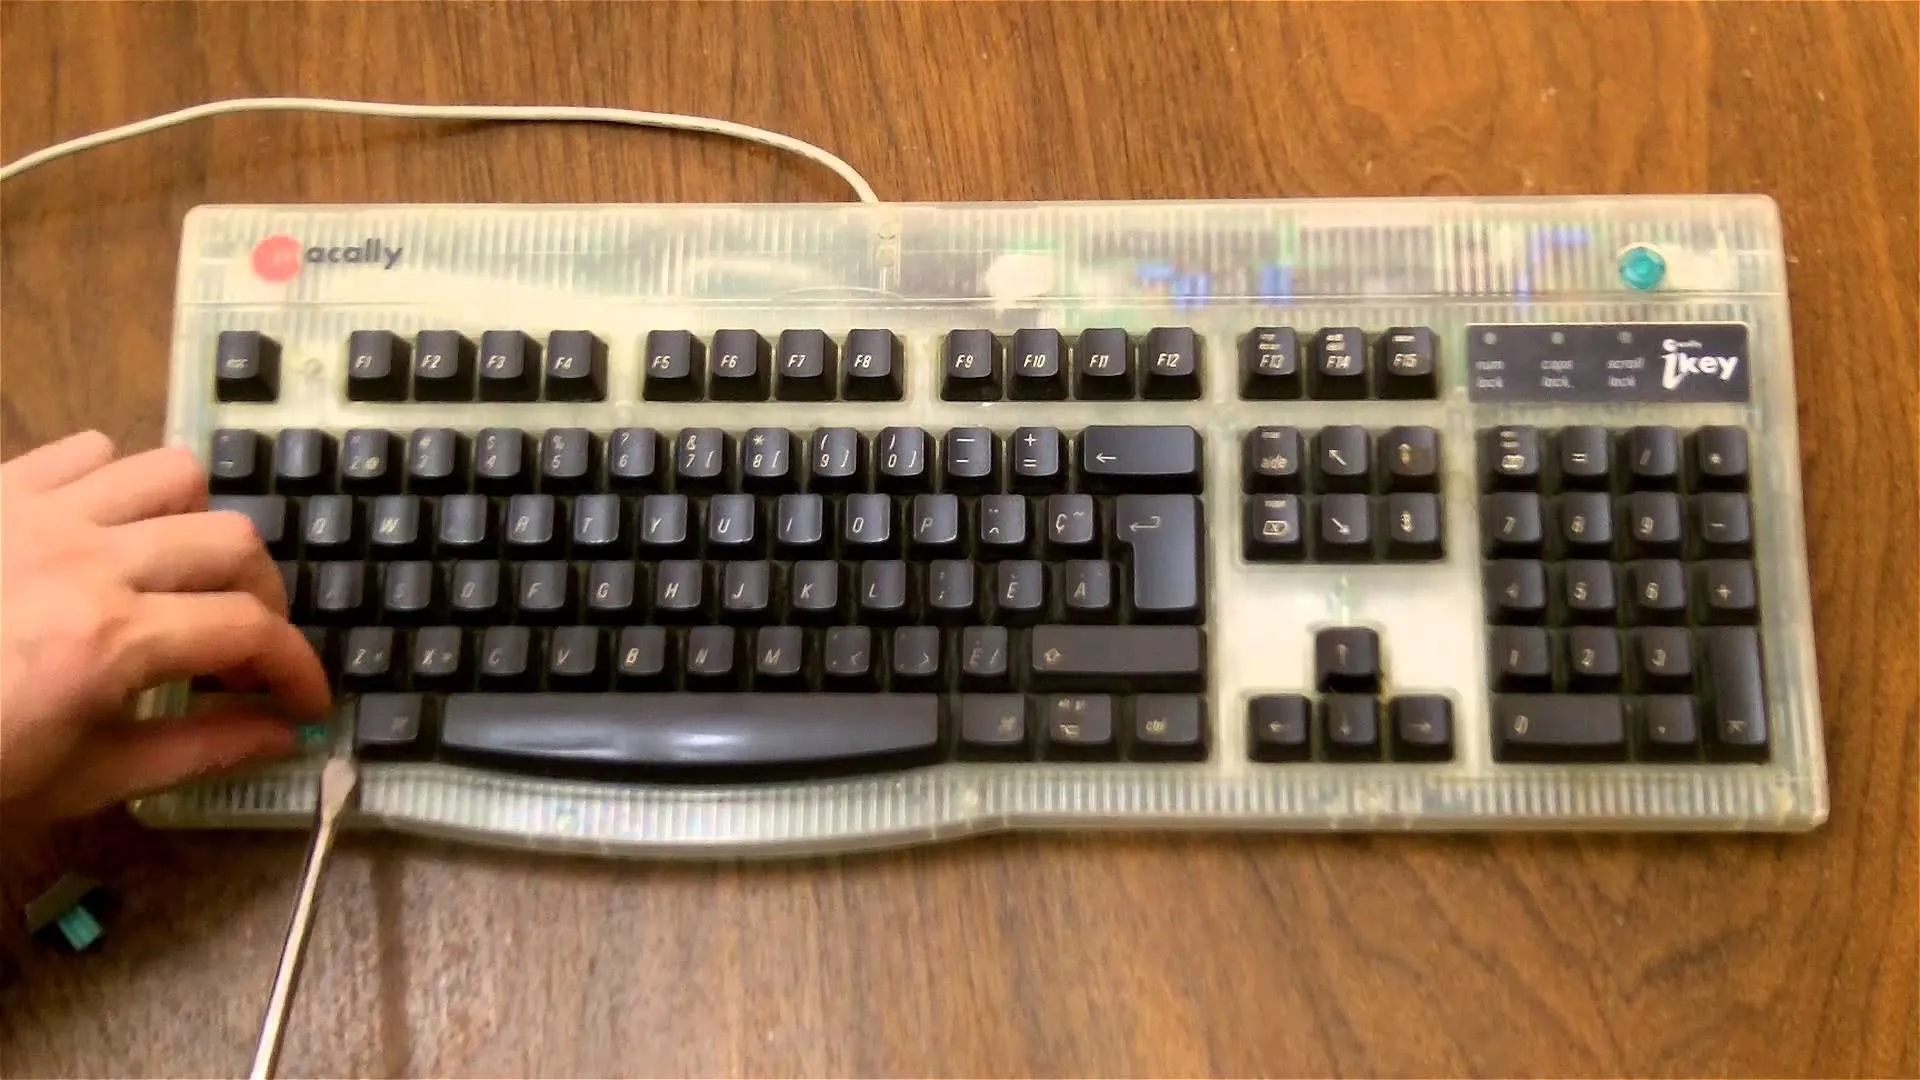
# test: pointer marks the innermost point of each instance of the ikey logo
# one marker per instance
(1682, 363)
(279, 258)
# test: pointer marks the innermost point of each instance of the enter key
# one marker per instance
(1162, 533)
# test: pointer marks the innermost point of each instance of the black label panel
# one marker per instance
(1592, 363)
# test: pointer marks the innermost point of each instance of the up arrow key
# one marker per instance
(1146, 459)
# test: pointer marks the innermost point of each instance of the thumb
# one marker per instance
(124, 761)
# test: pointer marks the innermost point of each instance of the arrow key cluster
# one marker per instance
(1343, 493)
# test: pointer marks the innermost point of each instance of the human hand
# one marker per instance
(115, 578)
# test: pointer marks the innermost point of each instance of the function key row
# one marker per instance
(439, 461)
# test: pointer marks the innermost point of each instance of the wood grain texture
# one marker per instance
(1035, 956)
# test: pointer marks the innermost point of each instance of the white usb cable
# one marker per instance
(671, 121)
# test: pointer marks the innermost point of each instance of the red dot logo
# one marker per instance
(277, 258)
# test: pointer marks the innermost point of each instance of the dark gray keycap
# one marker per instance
(799, 524)
(993, 725)
(1003, 525)
(1170, 364)
(293, 579)
(1339, 371)
(1168, 727)
(1663, 657)
(1078, 727)
(1143, 458)
(1411, 457)
(409, 591)
(664, 524)
(1585, 457)
(303, 461)
(1071, 523)
(936, 521)
(700, 458)
(1342, 460)
(1583, 522)
(1653, 522)
(1271, 529)
(872, 369)
(675, 368)
(575, 658)
(1035, 453)
(442, 366)
(599, 527)
(814, 590)
(1086, 589)
(1270, 364)
(847, 657)
(367, 461)
(1510, 458)
(1588, 589)
(733, 530)
(1273, 460)
(690, 735)
(1559, 727)
(1034, 363)
(970, 459)
(473, 590)
(533, 526)
(779, 656)
(1422, 726)
(1516, 591)
(330, 527)
(1512, 523)
(1350, 727)
(1592, 656)
(746, 591)
(505, 659)
(1737, 691)
(1163, 535)
(466, 525)
(246, 366)
(391, 727)
(613, 586)
(633, 459)
(366, 660)
(738, 369)
(1656, 591)
(985, 656)
(500, 460)
(837, 459)
(1407, 362)
(971, 364)
(543, 592)
(1722, 524)
(710, 659)
(1147, 657)
(436, 461)
(1522, 658)
(1103, 365)
(509, 368)
(1343, 529)
(1277, 728)
(916, 658)
(679, 593)
(236, 463)
(641, 657)
(866, 526)
(1019, 591)
(1413, 526)
(269, 515)
(1669, 726)
(883, 590)
(767, 460)
(567, 460)
(376, 366)
(1346, 659)
(804, 366)
(952, 595)
(900, 459)
(1653, 457)
(1726, 592)
(439, 658)
(576, 366)
(1720, 458)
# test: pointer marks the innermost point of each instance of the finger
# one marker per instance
(180, 636)
(59, 462)
(149, 484)
(124, 761)
(214, 551)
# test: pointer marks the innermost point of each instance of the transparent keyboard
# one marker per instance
(735, 530)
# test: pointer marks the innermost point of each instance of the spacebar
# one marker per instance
(689, 732)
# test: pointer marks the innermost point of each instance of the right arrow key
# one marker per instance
(1148, 459)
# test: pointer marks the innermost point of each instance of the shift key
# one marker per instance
(1112, 657)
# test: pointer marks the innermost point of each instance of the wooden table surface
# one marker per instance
(1363, 955)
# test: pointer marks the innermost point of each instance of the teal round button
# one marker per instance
(1642, 267)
